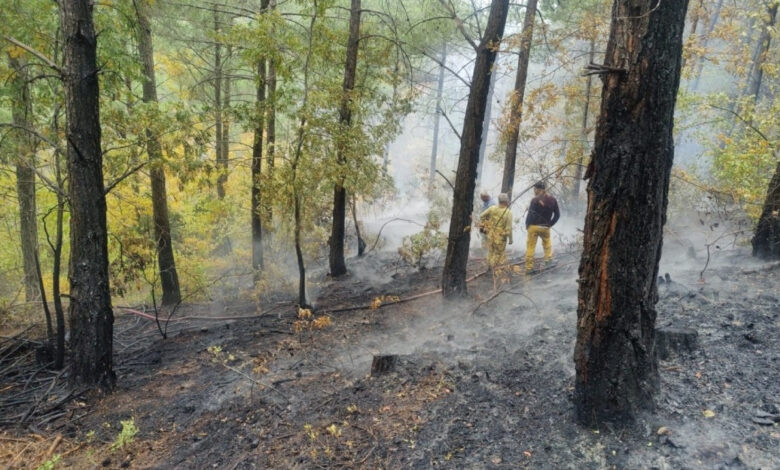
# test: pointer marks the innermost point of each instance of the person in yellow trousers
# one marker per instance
(543, 213)
(496, 223)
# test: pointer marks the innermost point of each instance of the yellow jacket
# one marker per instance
(497, 218)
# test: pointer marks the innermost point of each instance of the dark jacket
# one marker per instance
(543, 211)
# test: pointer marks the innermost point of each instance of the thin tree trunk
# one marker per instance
(710, 28)
(21, 114)
(337, 265)
(760, 55)
(454, 273)
(227, 97)
(169, 277)
(270, 137)
(486, 126)
(516, 102)
(694, 25)
(766, 240)
(361, 243)
(584, 126)
(91, 318)
(218, 130)
(257, 158)
(615, 360)
(437, 118)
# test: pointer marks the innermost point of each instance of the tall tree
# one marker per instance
(516, 101)
(219, 140)
(257, 160)
(337, 265)
(486, 127)
(91, 318)
(762, 49)
(270, 132)
(584, 127)
(169, 278)
(714, 17)
(437, 117)
(21, 113)
(454, 274)
(616, 366)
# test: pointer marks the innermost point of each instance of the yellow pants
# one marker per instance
(497, 252)
(535, 232)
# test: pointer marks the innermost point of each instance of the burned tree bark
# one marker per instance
(21, 113)
(766, 240)
(516, 101)
(257, 159)
(169, 277)
(616, 365)
(337, 265)
(454, 273)
(91, 318)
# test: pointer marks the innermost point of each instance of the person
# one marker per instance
(543, 213)
(487, 203)
(496, 221)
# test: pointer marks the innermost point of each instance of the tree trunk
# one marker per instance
(270, 137)
(169, 277)
(516, 101)
(584, 127)
(454, 273)
(710, 28)
(760, 55)
(766, 240)
(91, 318)
(225, 110)
(218, 131)
(486, 127)
(616, 366)
(257, 158)
(437, 118)
(21, 114)
(337, 265)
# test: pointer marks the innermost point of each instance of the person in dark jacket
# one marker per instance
(543, 213)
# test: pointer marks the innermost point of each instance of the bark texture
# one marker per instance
(516, 101)
(169, 277)
(91, 318)
(615, 360)
(21, 114)
(257, 160)
(454, 273)
(486, 126)
(338, 266)
(766, 240)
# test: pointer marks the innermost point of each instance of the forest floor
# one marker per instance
(480, 383)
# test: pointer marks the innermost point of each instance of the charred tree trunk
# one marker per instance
(361, 243)
(91, 318)
(437, 119)
(516, 101)
(257, 158)
(584, 128)
(766, 240)
(21, 114)
(486, 127)
(169, 277)
(337, 265)
(616, 366)
(454, 273)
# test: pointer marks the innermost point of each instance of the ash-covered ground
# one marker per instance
(480, 383)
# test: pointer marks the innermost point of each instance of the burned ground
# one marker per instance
(486, 387)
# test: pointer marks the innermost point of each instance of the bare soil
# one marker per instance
(484, 382)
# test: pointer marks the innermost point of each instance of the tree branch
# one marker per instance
(34, 52)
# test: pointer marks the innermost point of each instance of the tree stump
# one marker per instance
(671, 340)
(383, 364)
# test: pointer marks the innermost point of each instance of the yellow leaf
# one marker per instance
(708, 413)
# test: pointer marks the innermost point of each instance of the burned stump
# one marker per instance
(671, 340)
(383, 364)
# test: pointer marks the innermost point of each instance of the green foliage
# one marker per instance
(416, 247)
(126, 436)
(50, 464)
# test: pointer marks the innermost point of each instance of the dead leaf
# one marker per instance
(708, 413)
(496, 460)
(527, 453)
(663, 430)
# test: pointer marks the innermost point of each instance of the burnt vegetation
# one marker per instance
(278, 225)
